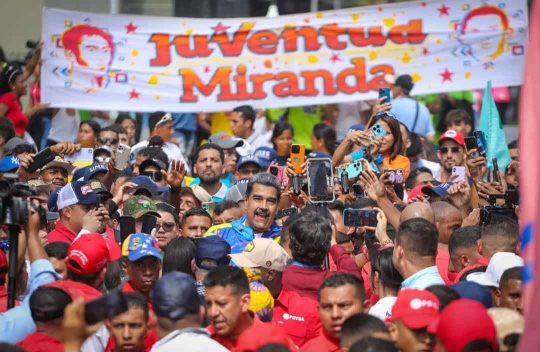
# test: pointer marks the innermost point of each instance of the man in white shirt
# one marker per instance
(242, 120)
(179, 315)
(161, 125)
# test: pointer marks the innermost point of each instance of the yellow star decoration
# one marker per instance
(153, 81)
(312, 59)
(416, 78)
(406, 59)
(468, 75)
(372, 55)
(135, 53)
(389, 22)
(355, 17)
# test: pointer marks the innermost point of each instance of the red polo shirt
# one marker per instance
(322, 343)
(226, 341)
(61, 234)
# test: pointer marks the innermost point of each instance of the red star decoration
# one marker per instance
(380, 9)
(134, 94)
(443, 10)
(447, 75)
(220, 28)
(423, 4)
(130, 28)
(335, 58)
(425, 51)
(206, 69)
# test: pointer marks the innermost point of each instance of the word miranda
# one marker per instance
(267, 42)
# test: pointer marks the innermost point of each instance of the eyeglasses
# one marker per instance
(167, 226)
(107, 141)
(454, 150)
(156, 176)
(102, 159)
(166, 118)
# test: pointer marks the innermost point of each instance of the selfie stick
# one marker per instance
(14, 231)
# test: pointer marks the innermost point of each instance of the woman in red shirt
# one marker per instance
(13, 86)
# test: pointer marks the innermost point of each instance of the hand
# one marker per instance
(65, 148)
(381, 106)
(374, 147)
(122, 193)
(289, 170)
(176, 176)
(380, 230)
(37, 108)
(477, 166)
(94, 220)
(25, 160)
(363, 138)
(419, 198)
(74, 328)
(460, 193)
(472, 219)
(373, 187)
(486, 189)
(34, 221)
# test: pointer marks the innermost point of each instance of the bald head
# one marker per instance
(417, 210)
(447, 219)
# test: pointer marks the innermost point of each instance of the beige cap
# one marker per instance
(262, 252)
(507, 321)
(60, 163)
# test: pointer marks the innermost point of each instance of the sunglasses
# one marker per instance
(454, 150)
(106, 141)
(156, 176)
(167, 226)
(102, 159)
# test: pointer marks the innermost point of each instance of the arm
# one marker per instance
(3, 109)
(174, 179)
(376, 191)
(344, 262)
(202, 122)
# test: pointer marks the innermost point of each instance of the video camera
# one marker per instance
(511, 201)
(14, 205)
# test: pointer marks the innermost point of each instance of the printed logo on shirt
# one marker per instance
(418, 303)
(287, 316)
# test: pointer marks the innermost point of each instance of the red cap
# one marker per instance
(76, 289)
(259, 335)
(417, 191)
(88, 254)
(454, 136)
(417, 309)
(462, 322)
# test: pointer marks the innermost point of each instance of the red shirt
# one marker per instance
(226, 341)
(322, 343)
(15, 113)
(61, 234)
(39, 342)
(442, 260)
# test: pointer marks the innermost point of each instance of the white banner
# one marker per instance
(142, 63)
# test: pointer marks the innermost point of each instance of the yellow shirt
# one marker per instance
(220, 123)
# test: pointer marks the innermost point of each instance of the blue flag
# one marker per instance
(491, 125)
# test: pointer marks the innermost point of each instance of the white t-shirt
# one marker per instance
(193, 340)
(65, 127)
(383, 308)
(172, 150)
(257, 140)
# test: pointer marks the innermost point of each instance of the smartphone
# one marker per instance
(359, 191)
(378, 131)
(149, 222)
(127, 227)
(385, 93)
(353, 169)
(344, 181)
(280, 174)
(287, 212)
(123, 153)
(298, 156)
(495, 173)
(359, 217)
(320, 180)
(106, 307)
(397, 177)
(459, 174)
(209, 207)
(85, 155)
(41, 159)
(470, 143)
(481, 142)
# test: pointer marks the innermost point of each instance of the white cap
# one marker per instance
(498, 264)
(262, 252)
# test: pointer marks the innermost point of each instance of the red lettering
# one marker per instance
(289, 87)
(163, 52)
(331, 32)
(378, 81)
(201, 49)
(258, 85)
(408, 33)
(235, 47)
(263, 43)
(221, 77)
(358, 72)
(310, 78)
(374, 37)
(310, 35)
(241, 84)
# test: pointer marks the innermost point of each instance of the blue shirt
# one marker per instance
(17, 323)
(405, 110)
(423, 279)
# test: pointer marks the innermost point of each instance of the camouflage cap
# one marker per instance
(137, 206)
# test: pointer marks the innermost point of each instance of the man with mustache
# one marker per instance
(209, 159)
(451, 153)
(262, 200)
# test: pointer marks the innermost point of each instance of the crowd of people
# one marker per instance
(201, 232)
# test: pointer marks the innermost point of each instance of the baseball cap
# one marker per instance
(245, 149)
(476, 292)
(212, 248)
(417, 309)
(14, 143)
(40, 185)
(144, 183)
(52, 203)
(248, 159)
(260, 335)
(175, 295)
(154, 162)
(225, 141)
(59, 163)
(440, 189)
(93, 170)
(454, 136)
(9, 163)
(88, 254)
(100, 190)
(507, 322)
(137, 206)
(462, 322)
(104, 148)
(404, 81)
(262, 252)
(48, 303)
(496, 267)
(266, 156)
(77, 192)
(237, 192)
(78, 175)
(141, 245)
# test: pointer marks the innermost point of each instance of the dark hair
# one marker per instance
(328, 134)
(310, 238)
(84, 279)
(339, 280)
(93, 125)
(4, 347)
(156, 141)
(411, 180)
(445, 294)
(279, 128)
(154, 118)
(373, 344)
(505, 236)
(118, 128)
(515, 273)
(480, 345)
(208, 146)
(416, 146)
(154, 152)
(247, 112)
(336, 205)
(419, 237)
(178, 255)
(463, 237)
(108, 129)
(7, 131)
(456, 116)
(58, 250)
(286, 230)
(166, 207)
(226, 275)
(194, 212)
(393, 123)
(137, 300)
(225, 205)
(9, 74)
(265, 179)
(359, 326)
(514, 144)
(388, 274)
(113, 275)
(123, 117)
(274, 347)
